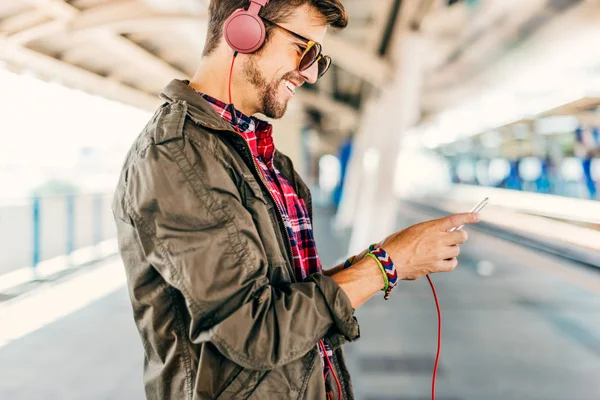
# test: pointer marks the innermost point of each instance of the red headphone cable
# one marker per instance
(439, 338)
(331, 368)
(231, 109)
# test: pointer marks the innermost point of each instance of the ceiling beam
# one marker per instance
(22, 21)
(377, 28)
(78, 77)
(106, 23)
(88, 81)
(541, 43)
(149, 62)
(358, 61)
(135, 17)
(56, 8)
(580, 105)
(487, 44)
(37, 31)
(130, 17)
(66, 13)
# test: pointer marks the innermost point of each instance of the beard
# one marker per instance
(268, 92)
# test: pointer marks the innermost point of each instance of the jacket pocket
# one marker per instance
(252, 190)
(266, 220)
(290, 380)
(241, 384)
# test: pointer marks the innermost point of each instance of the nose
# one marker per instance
(311, 74)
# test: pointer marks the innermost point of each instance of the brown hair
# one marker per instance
(276, 11)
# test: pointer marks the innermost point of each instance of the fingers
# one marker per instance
(457, 220)
(447, 265)
(456, 237)
(450, 252)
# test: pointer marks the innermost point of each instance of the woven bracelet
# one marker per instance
(388, 267)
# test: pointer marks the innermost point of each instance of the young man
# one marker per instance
(214, 229)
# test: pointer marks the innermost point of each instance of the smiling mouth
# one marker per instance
(291, 87)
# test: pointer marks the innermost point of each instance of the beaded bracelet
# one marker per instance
(348, 262)
(387, 266)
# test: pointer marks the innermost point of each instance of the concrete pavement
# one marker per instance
(518, 326)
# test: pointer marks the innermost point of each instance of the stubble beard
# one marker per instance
(268, 93)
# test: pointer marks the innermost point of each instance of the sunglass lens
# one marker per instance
(309, 57)
(324, 64)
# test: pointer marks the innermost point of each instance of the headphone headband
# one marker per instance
(256, 5)
(244, 30)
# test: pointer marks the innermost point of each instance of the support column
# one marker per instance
(397, 109)
(348, 208)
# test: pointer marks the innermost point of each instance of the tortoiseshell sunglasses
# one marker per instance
(312, 52)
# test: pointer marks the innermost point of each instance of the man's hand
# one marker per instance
(428, 247)
(418, 250)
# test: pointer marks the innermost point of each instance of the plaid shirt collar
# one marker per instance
(258, 133)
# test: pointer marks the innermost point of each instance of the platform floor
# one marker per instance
(518, 325)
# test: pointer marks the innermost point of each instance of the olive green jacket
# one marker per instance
(209, 266)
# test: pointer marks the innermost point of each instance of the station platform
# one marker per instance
(517, 324)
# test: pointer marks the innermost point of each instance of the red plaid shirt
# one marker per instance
(259, 136)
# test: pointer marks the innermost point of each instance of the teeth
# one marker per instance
(290, 86)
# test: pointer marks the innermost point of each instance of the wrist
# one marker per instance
(334, 270)
(371, 268)
(355, 259)
(362, 254)
(360, 282)
(387, 266)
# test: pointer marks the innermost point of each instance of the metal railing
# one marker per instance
(43, 235)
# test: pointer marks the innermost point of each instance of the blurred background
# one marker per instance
(430, 106)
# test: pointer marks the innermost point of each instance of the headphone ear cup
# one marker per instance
(244, 32)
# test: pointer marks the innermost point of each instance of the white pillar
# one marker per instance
(397, 109)
(354, 175)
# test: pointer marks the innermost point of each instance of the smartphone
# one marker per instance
(477, 208)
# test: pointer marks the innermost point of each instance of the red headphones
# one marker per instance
(244, 30)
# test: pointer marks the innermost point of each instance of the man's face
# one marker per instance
(274, 70)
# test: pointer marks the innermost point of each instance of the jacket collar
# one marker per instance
(199, 110)
(202, 113)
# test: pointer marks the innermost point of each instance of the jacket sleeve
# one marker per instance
(194, 230)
